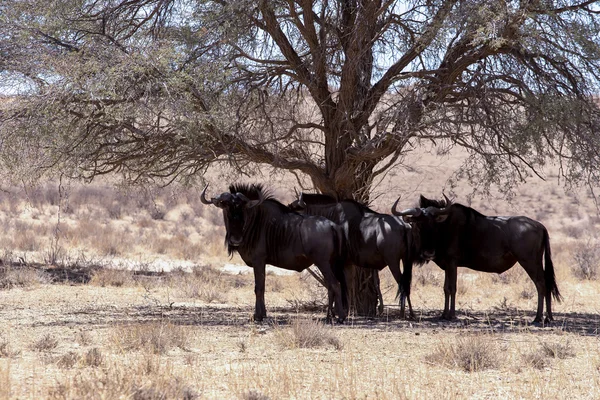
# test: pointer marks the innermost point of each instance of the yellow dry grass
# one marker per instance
(187, 334)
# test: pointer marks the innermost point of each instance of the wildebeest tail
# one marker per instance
(339, 263)
(549, 276)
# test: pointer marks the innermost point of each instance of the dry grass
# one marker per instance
(471, 354)
(118, 382)
(308, 333)
(155, 337)
(20, 276)
(187, 334)
(586, 259)
(6, 350)
(45, 344)
(112, 277)
(560, 350)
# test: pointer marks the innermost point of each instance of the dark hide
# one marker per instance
(271, 233)
(374, 240)
(453, 235)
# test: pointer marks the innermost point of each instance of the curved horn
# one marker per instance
(410, 211)
(448, 201)
(301, 202)
(203, 196)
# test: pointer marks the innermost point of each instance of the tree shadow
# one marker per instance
(497, 321)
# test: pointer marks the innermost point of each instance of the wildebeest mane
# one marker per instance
(250, 190)
(323, 199)
(425, 202)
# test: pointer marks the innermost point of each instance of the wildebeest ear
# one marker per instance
(441, 218)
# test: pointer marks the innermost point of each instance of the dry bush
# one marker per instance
(45, 343)
(308, 333)
(68, 360)
(117, 382)
(6, 350)
(26, 237)
(527, 293)
(586, 257)
(471, 354)
(112, 277)
(574, 231)
(84, 338)
(205, 283)
(514, 275)
(254, 395)
(539, 358)
(93, 357)
(535, 359)
(558, 350)
(156, 337)
(112, 243)
(426, 275)
(21, 276)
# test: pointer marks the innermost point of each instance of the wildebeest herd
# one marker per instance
(332, 234)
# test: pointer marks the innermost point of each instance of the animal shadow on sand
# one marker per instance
(509, 320)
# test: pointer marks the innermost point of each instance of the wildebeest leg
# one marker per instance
(406, 283)
(378, 288)
(330, 304)
(333, 286)
(260, 311)
(536, 273)
(397, 274)
(450, 293)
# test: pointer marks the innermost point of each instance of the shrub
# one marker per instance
(308, 333)
(45, 343)
(587, 259)
(20, 276)
(156, 337)
(6, 350)
(68, 360)
(471, 354)
(254, 395)
(112, 277)
(94, 357)
(558, 350)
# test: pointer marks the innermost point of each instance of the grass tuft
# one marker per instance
(558, 350)
(470, 354)
(156, 337)
(308, 333)
(45, 343)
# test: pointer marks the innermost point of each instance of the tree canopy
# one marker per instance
(336, 90)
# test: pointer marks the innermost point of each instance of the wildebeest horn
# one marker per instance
(448, 201)
(203, 196)
(301, 202)
(410, 211)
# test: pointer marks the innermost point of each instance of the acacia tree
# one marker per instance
(336, 91)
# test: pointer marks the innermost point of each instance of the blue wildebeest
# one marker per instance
(264, 231)
(453, 235)
(373, 240)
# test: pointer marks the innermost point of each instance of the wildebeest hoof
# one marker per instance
(340, 321)
(258, 319)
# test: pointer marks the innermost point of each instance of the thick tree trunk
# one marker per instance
(354, 182)
(363, 291)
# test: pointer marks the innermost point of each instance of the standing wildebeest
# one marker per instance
(454, 235)
(373, 240)
(264, 231)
